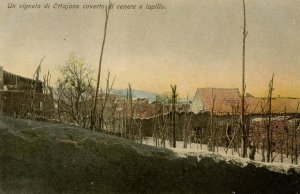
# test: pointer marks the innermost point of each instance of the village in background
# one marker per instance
(210, 120)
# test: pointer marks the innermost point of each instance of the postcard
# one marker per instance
(149, 96)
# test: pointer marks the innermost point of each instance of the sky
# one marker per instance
(191, 43)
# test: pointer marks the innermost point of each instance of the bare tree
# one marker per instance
(93, 112)
(104, 99)
(164, 125)
(174, 100)
(186, 125)
(294, 142)
(231, 133)
(156, 124)
(138, 121)
(129, 107)
(243, 129)
(269, 129)
(211, 142)
(47, 91)
(34, 86)
(160, 122)
(124, 117)
(75, 90)
(36, 75)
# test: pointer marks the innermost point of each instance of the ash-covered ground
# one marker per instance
(39, 157)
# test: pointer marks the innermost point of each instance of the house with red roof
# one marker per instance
(221, 101)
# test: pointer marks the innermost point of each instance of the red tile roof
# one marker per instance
(226, 99)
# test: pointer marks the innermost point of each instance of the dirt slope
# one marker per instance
(40, 157)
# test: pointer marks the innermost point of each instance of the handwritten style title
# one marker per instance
(68, 6)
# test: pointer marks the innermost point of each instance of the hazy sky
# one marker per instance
(193, 43)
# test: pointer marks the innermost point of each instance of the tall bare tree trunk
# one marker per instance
(269, 130)
(282, 136)
(211, 145)
(129, 99)
(295, 140)
(34, 86)
(186, 121)
(174, 96)
(292, 143)
(93, 112)
(243, 129)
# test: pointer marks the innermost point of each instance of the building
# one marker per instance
(21, 96)
(11, 81)
(224, 101)
(221, 101)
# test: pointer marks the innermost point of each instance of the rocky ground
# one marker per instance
(39, 157)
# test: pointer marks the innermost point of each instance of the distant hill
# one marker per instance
(141, 94)
(138, 94)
